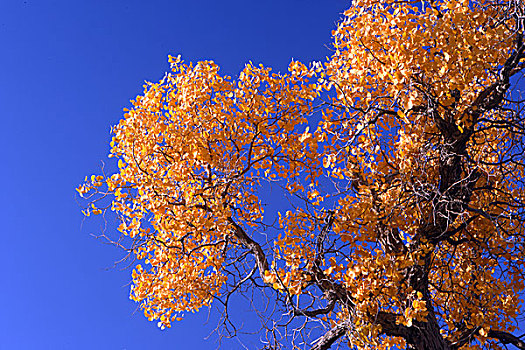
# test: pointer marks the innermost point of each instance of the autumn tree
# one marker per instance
(398, 164)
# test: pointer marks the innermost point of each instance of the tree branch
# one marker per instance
(507, 338)
(330, 337)
(502, 336)
(254, 247)
(313, 313)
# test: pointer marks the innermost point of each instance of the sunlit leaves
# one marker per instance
(361, 148)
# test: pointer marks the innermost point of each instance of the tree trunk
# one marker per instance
(428, 337)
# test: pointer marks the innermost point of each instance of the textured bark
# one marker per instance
(507, 338)
(330, 337)
(427, 337)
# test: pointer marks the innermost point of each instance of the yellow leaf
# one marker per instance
(402, 115)
(483, 332)
(306, 135)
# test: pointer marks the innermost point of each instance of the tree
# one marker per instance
(399, 163)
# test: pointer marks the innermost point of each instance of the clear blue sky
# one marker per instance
(67, 70)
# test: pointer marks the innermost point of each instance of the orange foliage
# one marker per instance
(406, 198)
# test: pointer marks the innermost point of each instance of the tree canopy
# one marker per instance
(399, 166)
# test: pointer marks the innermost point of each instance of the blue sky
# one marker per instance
(68, 69)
